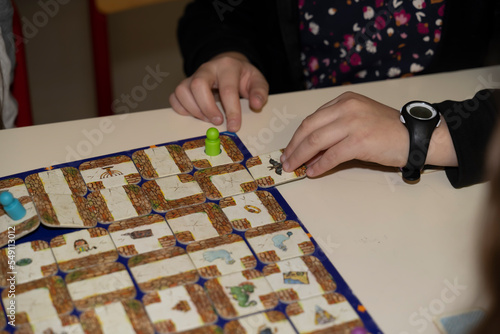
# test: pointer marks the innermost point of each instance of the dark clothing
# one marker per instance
(261, 28)
(267, 33)
(471, 123)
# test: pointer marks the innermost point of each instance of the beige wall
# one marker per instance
(59, 56)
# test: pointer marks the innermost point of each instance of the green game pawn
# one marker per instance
(212, 142)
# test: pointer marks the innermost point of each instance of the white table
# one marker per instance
(400, 247)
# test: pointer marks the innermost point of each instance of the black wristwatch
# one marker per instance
(420, 118)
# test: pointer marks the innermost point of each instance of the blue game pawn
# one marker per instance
(12, 206)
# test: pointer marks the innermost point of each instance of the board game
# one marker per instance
(167, 239)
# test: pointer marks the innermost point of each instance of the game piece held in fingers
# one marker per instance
(212, 142)
(267, 171)
(12, 206)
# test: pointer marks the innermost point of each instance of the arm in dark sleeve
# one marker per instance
(471, 124)
(210, 27)
(265, 31)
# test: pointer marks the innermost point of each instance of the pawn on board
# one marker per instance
(12, 206)
(212, 142)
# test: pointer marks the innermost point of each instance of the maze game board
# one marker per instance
(166, 239)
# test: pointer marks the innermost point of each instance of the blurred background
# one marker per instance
(58, 44)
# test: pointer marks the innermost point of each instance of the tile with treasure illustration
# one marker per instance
(195, 150)
(83, 248)
(141, 235)
(267, 171)
(198, 222)
(128, 316)
(224, 181)
(164, 268)
(173, 192)
(221, 255)
(67, 323)
(179, 309)
(328, 313)
(23, 226)
(299, 278)
(252, 209)
(119, 203)
(273, 322)
(100, 285)
(109, 172)
(39, 300)
(241, 294)
(161, 161)
(279, 241)
(66, 180)
(34, 260)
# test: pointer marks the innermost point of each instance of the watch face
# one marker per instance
(422, 111)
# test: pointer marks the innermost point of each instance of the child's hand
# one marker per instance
(349, 127)
(233, 76)
(353, 126)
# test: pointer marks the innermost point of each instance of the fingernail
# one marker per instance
(283, 158)
(217, 120)
(310, 172)
(231, 125)
(286, 166)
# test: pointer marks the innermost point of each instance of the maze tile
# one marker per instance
(267, 171)
(252, 209)
(128, 316)
(100, 285)
(164, 268)
(173, 192)
(39, 300)
(83, 248)
(198, 222)
(223, 181)
(57, 324)
(3, 321)
(161, 161)
(62, 181)
(221, 255)
(273, 322)
(328, 313)
(109, 172)
(119, 203)
(179, 309)
(34, 260)
(241, 294)
(299, 278)
(64, 210)
(15, 229)
(279, 241)
(141, 235)
(195, 150)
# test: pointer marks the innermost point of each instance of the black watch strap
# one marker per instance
(420, 118)
(419, 145)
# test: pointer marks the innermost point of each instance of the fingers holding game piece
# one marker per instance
(349, 127)
(12, 206)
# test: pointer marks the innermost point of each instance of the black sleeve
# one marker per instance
(210, 27)
(251, 27)
(471, 124)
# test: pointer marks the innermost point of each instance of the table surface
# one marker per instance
(409, 252)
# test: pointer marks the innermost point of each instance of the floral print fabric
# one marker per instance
(351, 41)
